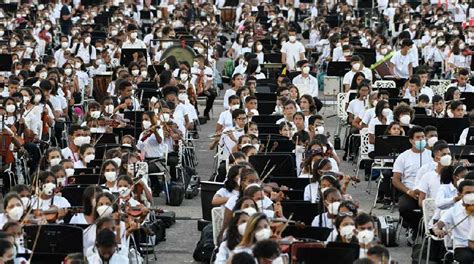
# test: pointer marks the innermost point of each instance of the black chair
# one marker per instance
(208, 189)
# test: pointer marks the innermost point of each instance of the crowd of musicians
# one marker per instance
(62, 123)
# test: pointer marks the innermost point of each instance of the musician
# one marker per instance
(365, 229)
(292, 51)
(422, 73)
(51, 157)
(46, 199)
(332, 198)
(151, 140)
(344, 229)
(402, 62)
(85, 50)
(439, 106)
(107, 249)
(413, 90)
(462, 82)
(31, 115)
(236, 83)
(357, 66)
(257, 229)
(457, 109)
(88, 216)
(60, 54)
(463, 137)
(126, 100)
(13, 209)
(268, 251)
(185, 96)
(180, 115)
(86, 155)
(454, 220)
(289, 110)
(109, 172)
(7, 251)
(233, 235)
(231, 187)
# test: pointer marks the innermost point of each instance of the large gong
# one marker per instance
(182, 54)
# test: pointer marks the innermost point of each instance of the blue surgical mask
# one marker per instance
(420, 144)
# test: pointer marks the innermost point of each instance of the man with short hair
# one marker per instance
(462, 83)
(357, 66)
(305, 82)
(402, 62)
(106, 249)
(292, 51)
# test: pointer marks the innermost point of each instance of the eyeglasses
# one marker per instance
(345, 214)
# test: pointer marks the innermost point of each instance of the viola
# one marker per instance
(6, 155)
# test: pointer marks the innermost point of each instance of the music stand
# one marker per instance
(83, 171)
(329, 255)
(393, 102)
(269, 129)
(462, 152)
(133, 116)
(74, 193)
(56, 242)
(389, 147)
(338, 68)
(134, 131)
(266, 107)
(470, 136)
(271, 97)
(420, 111)
(102, 19)
(392, 92)
(307, 232)
(104, 138)
(468, 101)
(282, 145)
(86, 179)
(268, 88)
(208, 189)
(272, 57)
(6, 64)
(368, 55)
(380, 129)
(266, 119)
(127, 55)
(290, 182)
(302, 211)
(283, 164)
(294, 195)
(449, 129)
(262, 136)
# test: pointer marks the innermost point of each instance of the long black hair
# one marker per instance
(233, 235)
(90, 193)
(230, 184)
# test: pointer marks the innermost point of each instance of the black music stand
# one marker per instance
(266, 119)
(127, 55)
(55, 242)
(133, 116)
(307, 232)
(392, 92)
(338, 255)
(463, 152)
(279, 145)
(393, 102)
(83, 171)
(267, 88)
(96, 163)
(367, 54)
(420, 111)
(262, 136)
(74, 193)
(101, 149)
(468, 100)
(389, 147)
(104, 138)
(338, 68)
(272, 57)
(380, 129)
(272, 97)
(449, 129)
(208, 189)
(86, 179)
(294, 195)
(302, 211)
(6, 64)
(102, 19)
(268, 129)
(290, 182)
(283, 163)
(266, 107)
(470, 136)
(133, 131)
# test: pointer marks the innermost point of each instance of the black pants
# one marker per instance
(211, 95)
(464, 255)
(407, 206)
(386, 184)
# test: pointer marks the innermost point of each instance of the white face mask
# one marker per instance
(95, 114)
(182, 97)
(62, 181)
(306, 69)
(110, 176)
(292, 38)
(25, 201)
(77, 65)
(250, 211)
(89, 158)
(87, 40)
(43, 75)
(146, 124)
(165, 117)
(386, 112)
(365, 236)
(242, 228)
(26, 100)
(54, 161)
(333, 208)
(445, 160)
(109, 109)
(117, 161)
(68, 71)
(69, 172)
(133, 35)
(431, 141)
(64, 45)
(183, 77)
(320, 130)
(263, 234)
(79, 141)
(259, 47)
(144, 74)
(405, 119)
(16, 213)
(10, 108)
(234, 107)
(135, 72)
(48, 188)
(347, 232)
(124, 192)
(104, 210)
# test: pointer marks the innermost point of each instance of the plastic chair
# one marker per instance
(341, 111)
(429, 207)
(217, 218)
(381, 84)
(363, 149)
(442, 86)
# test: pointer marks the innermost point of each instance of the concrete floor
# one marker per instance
(183, 236)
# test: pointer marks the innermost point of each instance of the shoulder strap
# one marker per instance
(77, 49)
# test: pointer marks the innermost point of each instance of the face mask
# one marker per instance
(133, 35)
(250, 211)
(25, 201)
(126, 145)
(87, 40)
(113, 32)
(146, 124)
(37, 98)
(263, 234)
(462, 46)
(62, 181)
(118, 161)
(445, 160)
(10, 108)
(259, 47)
(165, 117)
(104, 210)
(135, 72)
(355, 66)
(69, 172)
(109, 109)
(183, 77)
(196, 64)
(432, 141)
(383, 51)
(43, 75)
(77, 65)
(292, 38)
(15, 213)
(13, 44)
(144, 74)
(78, 141)
(405, 119)
(68, 71)
(110, 176)
(333, 208)
(258, 70)
(278, 260)
(182, 97)
(386, 112)
(365, 236)
(55, 161)
(48, 188)
(26, 100)
(95, 114)
(242, 228)
(89, 158)
(320, 130)
(347, 232)
(467, 199)
(440, 43)
(420, 144)
(234, 107)
(306, 69)
(124, 192)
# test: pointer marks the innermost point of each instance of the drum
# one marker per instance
(227, 14)
(100, 85)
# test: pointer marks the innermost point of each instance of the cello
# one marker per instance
(6, 155)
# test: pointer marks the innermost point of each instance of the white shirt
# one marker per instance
(230, 204)
(326, 222)
(68, 154)
(59, 57)
(223, 254)
(32, 119)
(225, 119)
(292, 51)
(228, 93)
(350, 75)
(150, 146)
(429, 184)
(58, 201)
(408, 163)
(430, 166)
(80, 165)
(85, 53)
(137, 44)
(401, 63)
(115, 259)
(427, 91)
(461, 232)
(368, 115)
(227, 143)
(308, 85)
(356, 107)
(463, 137)
(311, 192)
(371, 127)
(466, 89)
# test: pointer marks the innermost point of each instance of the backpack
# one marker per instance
(176, 192)
(77, 50)
(205, 246)
(387, 227)
(228, 68)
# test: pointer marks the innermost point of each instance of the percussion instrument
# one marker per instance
(181, 53)
(228, 14)
(100, 85)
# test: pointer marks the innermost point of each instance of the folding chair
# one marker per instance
(217, 217)
(429, 207)
(440, 86)
(342, 100)
(363, 149)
